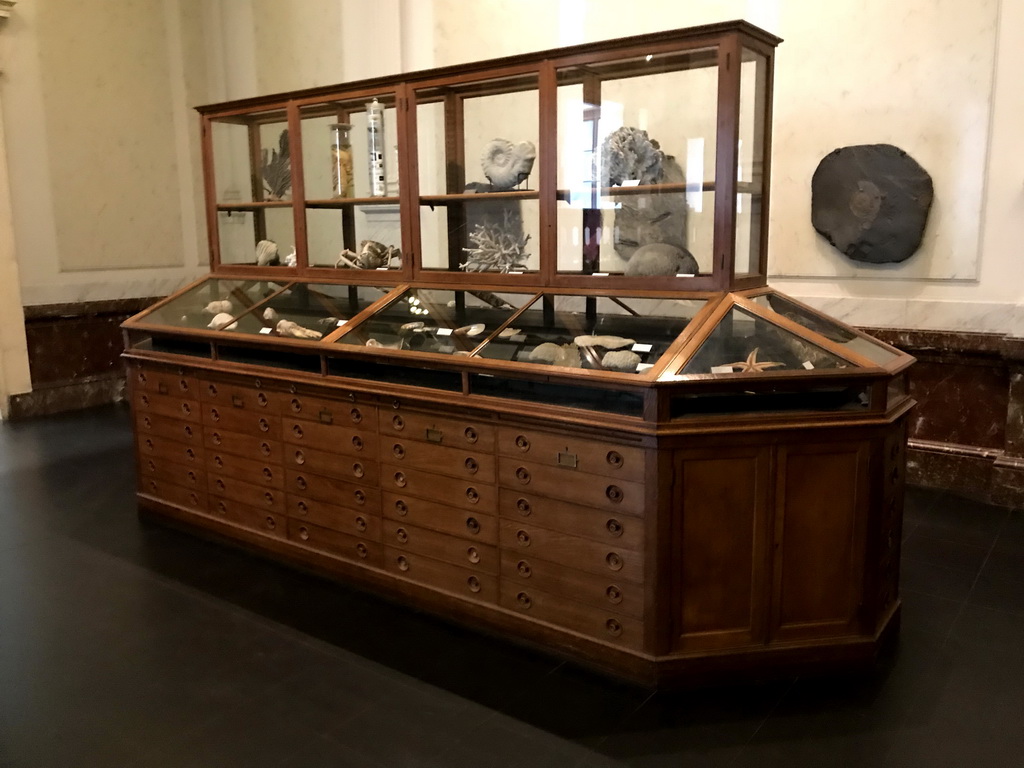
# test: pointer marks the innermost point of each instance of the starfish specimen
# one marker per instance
(750, 365)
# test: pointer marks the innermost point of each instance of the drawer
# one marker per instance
(260, 447)
(351, 441)
(459, 462)
(164, 382)
(586, 490)
(246, 398)
(604, 592)
(562, 612)
(178, 474)
(472, 525)
(260, 473)
(610, 528)
(350, 521)
(595, 457)
(528, 540)
(441, 546)
(426, 485)
(267, 499)
(244, 516)
(463, 582)
(320, 462)
(339, 492)
(344, 412)
(170, 406)
(157, 447)
(474, 434)
(246, 422)
(334, 542)
(187, 498)
(171, 428)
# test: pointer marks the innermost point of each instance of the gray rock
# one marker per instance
(661, 259)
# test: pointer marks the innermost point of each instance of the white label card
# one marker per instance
(722, 369)
(519, 338)
(808, 365)
(642, 347)
(685, 274)
(444, 331)
(641, 367)
(341, 323)
(266, 330)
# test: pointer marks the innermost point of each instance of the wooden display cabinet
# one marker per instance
(659, 467)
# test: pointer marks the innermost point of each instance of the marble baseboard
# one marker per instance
(75, 396)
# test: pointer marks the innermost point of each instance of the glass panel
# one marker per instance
(750, 168)
(264, 237)
(251, 158)
(440, 321)
(744, 343)
(310, 310)
(477, 147)
(828, 328)
(355, 237)
(635, 171)
(213, 303)
(625, 335)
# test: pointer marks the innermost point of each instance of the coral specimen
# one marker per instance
(628, 154)
(296, 331)
(661, 259)
(507, 165)
(621, 360)
(372, 255)
(266, 254)
(498, 248)
(608, 342)
(277, 169)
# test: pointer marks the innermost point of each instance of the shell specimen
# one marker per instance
(621, 360)
(216, 307)
(266, 254)
(499, 248)
(222, 322)
(629, 154)
(507, 165)
(296, 331)
(508, 333)
(471, 330)
(661, 259)
(277, 169)
(608, 342)
(270, 315)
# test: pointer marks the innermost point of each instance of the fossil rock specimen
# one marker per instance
(608, 342)
(565, 355)
(507, 165)
(621, 360)
(296, 331)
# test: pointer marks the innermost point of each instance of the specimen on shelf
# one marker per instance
(294, 330)
(223, 322)
(751, 364)
(471, 330)
(266, 254)
(564, 355)
(507, 165)
(216, 307)
(497, 248)
(661, 259)
(654, 218)
(277, 169)
(270, 315)
(621, 360)
(372, 255)
(629, 154)
(608, 342)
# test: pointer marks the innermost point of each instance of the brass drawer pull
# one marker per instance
(183, 385)
(361, 550)
(523, 475)
(357, 470)
(524, 600)
(523, 569)
(218, 461)
(215, 414)
(360, 523)
(522, 443)
(191, 454)
(396, 404)
(403, 563)
(398, 422)
(402, 535)
(614, 594)
(473, 555)
(268, 474)
(471, 434)
(351, 397)
(434, 435)
(325, 416)
(523, 507)
(152, 465)
(398, 450)
(147, 421)
(186, 409)
(192, 477)
(188, 429)
(569, 460)
(471, 465)
(356, 415)
(153, 486)
(357, 442)
(614, 561)
(401, 507)
(613, 627)
(523, 538)
(144, 399)
(219, 484)
(473, 525)
(400, 479)
(473, 583)
(149, 443)
(614, 493)
(222, 507)
(614, 527)
(194, 499)
(142, 378)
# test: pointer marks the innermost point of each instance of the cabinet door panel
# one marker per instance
(720, 536)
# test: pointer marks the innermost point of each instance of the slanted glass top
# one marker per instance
(214, 303)
(604, 333)
(744, 343)
(309, 311)
(435, 320)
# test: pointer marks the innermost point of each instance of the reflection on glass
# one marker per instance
(830, 329)
(262, 238)
(355, 237)
(439, 321)
(214, 304)
(239, 143)
(481, 235)
(744, 343)
(624, 335)
(309, 310)
(750, 165)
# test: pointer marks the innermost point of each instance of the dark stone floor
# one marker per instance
(123, 643)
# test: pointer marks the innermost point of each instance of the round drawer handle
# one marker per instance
(220, 484)
(360, 497)
(614, 594)
(471, 465)
(149, 443)
(297, 431)
(212, 389)
(402, 535)
(402, 508)
(265, 448)
(262, 399)
(258, 383)
(523, 538)
(398, 450)
(351, 397)
(614, 527)
(296, 405)
(524, 600)
(271, 523)
(264, 425)
(361, 550)
(148, 422)
(217, 439)
(400, 480)
(403, 564)
(398, 422)
(360, 523)
(396, 404)
(357, 442)
(473, 495)
(183, 385)
(473, 555)
(523, 569)
(523, 507)
(473, 525)
(222, 507)
(191, 476)
(473, 583)
(268, 473)
(145, 399)
(303, 507)
(613, 627)
(268, 497)
(304, 533)
(185, 409)
(218, 461)
(614, 561)
(522, 443)
(357, 470)
(142, 378)
(215, 414)
(471, 434)
(194, 499)
(188, 430)
(614, 493)
(191, 454)
(356, 415)
(614, 459)
(152, 486)
(151, 465)
(301, 483)
(523, 475)
(300, 458)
